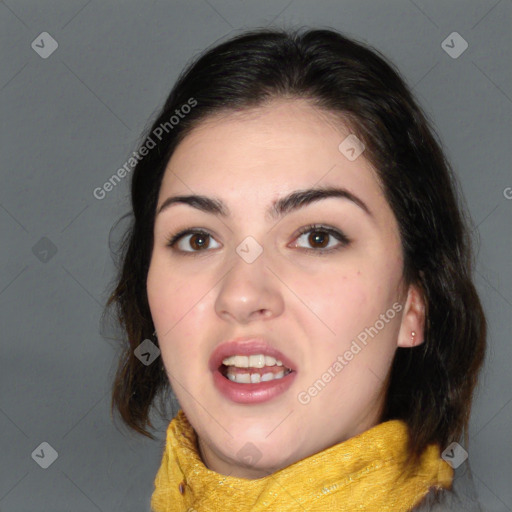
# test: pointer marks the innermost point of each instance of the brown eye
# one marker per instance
(319, 240)
(320, 237)
(198, 241)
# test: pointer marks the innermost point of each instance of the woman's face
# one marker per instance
(332, 302)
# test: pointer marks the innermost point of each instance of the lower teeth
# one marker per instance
(254, 378)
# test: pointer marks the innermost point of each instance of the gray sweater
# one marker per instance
(462, 497)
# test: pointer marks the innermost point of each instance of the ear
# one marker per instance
(413, 319)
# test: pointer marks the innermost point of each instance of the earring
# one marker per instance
(413, 334)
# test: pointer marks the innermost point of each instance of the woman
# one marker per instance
(299, 253)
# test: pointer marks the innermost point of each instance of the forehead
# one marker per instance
(285, 144)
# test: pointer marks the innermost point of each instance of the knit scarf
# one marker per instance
(361, 473)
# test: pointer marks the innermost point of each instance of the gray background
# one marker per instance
(69, 121)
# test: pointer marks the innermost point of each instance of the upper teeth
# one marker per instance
(254, 361)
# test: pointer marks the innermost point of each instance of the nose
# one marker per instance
(249, 291)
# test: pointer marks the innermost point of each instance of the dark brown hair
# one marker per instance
(431, 385)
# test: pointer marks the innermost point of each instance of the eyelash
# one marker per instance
(341, 237)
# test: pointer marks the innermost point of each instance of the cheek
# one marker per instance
(347, 302)
(337, 297)
(178, 304)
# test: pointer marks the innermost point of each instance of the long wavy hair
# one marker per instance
(431, 385)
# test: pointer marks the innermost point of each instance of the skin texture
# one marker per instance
(310, 306)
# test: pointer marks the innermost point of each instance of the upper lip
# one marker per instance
(246, 346)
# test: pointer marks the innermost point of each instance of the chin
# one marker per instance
(260, 468)
(267, 458)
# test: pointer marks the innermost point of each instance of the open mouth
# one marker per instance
(251, 371)
(253, 375)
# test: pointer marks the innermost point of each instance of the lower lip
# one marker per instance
(254, 393)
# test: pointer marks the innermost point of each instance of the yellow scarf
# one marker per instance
(357, 474)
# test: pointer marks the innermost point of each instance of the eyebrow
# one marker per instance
(280, 207)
